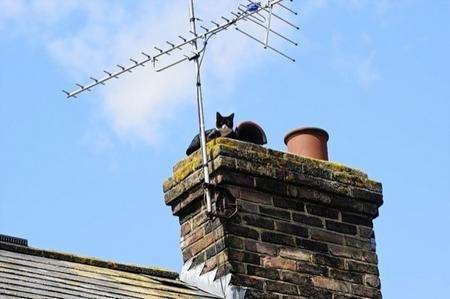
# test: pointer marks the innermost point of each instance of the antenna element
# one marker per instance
(193, 49)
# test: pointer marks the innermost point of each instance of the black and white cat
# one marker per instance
(224, 128)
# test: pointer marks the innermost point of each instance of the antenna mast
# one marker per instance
(254, 13)
(201, 117)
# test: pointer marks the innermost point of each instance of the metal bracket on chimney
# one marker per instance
(224, 203)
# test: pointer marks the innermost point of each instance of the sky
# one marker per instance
(85, 176)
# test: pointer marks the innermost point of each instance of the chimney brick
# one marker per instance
(303, 228)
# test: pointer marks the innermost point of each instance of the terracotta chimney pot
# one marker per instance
(308, 142)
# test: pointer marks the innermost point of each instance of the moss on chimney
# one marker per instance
(267, 157)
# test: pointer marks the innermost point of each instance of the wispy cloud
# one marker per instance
(366, 71)
(355, 58)
(365, 63)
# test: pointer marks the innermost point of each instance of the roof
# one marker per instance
(27, 272)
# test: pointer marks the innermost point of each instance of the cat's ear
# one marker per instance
(231, 116)
(219, 120)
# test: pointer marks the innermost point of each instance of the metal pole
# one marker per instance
(266, 43)
(201, 119)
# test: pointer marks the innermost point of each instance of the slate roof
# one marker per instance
(27, 272)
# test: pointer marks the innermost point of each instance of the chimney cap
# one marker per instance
(251, 132)
(306, 130)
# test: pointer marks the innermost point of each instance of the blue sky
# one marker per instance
(85, 176)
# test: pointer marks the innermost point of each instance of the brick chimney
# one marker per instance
(289, 226)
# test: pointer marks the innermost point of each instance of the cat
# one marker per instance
(224, 128)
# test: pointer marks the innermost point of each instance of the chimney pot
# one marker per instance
(308, 142)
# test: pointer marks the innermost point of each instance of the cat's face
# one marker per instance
(224, 122)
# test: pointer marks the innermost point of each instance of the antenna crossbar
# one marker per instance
(271, 30)
(108, 77)
(153, 59)
(264, 44)
(267, 9)
(287, 8)
(186, 41)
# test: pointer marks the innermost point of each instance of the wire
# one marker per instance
(203, 50)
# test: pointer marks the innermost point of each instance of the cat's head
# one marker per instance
(224, 122)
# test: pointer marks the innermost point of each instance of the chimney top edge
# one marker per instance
(252, 153)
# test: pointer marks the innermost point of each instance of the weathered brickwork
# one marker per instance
(303, 227)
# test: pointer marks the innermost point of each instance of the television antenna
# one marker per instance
(261, 14)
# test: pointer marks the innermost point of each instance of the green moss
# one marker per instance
(347, 178)
(342, 168)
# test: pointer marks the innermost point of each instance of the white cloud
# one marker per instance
(365, 70)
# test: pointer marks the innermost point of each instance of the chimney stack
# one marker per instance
(286, 226)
